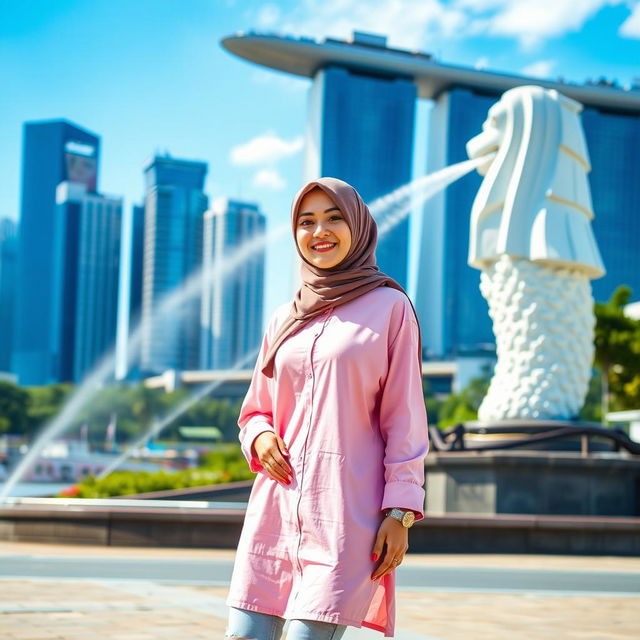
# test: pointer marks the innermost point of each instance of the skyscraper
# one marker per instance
(231, 316)
(174, 204)
(85, 282)
(53, 151)
(454, 315)
(360, 129)
(130, 292)
(8, 255)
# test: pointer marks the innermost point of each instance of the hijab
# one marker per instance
(354, 276)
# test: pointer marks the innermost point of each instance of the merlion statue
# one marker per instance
(531, 236)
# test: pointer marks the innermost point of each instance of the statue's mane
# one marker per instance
(541, 165)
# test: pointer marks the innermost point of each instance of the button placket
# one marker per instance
(309, 377)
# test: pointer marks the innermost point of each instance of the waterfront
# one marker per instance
(36, 489)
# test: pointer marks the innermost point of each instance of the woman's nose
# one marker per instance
(320, 231)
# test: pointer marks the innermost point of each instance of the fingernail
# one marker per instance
(374, 557)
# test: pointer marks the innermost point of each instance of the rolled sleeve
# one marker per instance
(403, 422)
(256, 412)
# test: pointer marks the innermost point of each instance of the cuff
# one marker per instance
(404, 495)
(250, 433)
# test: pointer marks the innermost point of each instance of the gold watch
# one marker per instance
(406, 517)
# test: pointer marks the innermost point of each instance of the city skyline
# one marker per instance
(173, 87)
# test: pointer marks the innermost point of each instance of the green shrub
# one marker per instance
(226, 463)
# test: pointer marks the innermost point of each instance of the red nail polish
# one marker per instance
(374, 557)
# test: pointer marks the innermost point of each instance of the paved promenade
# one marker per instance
(46, 608)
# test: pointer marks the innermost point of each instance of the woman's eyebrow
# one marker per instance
(310, 213)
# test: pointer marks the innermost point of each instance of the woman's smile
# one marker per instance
(325, 246)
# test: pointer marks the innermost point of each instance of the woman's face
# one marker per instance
(322, 232)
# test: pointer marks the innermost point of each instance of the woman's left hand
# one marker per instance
(395, 536)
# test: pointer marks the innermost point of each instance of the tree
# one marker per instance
(14, 406)
(592, 408)
(617, 352)
(45, 403)
(462, 406)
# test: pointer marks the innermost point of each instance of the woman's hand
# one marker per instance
(395, 536)
(271, 449)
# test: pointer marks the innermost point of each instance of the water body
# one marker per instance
(36, 489)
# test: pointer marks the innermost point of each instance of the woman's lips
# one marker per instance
(323, 249)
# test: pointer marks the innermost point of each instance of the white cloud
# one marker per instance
(270, 179)
(533, 21)
(429, 23)
(268, 16)
(539, 69)
(630, 28)
(479, 6)
(481, 63)
(406, 23)
(267, 148)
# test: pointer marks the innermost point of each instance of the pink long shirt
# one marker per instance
(347, 400)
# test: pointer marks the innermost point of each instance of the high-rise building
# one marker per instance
(130, 294)
(174, 204)
(8, 256)
(360, 129)
(232, 305)
(85, 282)
(453, 314)
(53, 151)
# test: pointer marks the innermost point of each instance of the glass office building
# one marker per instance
(232, 305)
(53, 151)
(613, 140)
(130, 294)
(360, 129)
(448, 298)
(8, 257)
(174, 205)
(85, 282)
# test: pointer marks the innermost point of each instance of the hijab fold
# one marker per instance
(354, 276)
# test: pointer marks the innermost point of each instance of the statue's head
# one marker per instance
(534, 201)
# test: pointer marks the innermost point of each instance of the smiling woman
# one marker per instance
(322, 233)
(335, 427)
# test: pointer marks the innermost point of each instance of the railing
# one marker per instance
(453, 438)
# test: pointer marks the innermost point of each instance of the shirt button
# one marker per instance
(309, 376)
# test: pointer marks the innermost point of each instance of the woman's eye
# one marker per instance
(303, 223)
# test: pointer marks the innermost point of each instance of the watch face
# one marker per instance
(408, 518)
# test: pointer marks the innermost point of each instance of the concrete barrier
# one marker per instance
(119, 522)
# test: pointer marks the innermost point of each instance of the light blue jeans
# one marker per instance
(263, 626)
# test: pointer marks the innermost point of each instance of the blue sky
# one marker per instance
(150, 75)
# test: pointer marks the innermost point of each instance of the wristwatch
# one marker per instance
(406, 517)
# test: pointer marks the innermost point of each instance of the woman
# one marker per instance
(335, 426)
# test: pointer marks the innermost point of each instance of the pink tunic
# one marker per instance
(346, 398)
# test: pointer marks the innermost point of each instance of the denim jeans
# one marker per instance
(263, 626)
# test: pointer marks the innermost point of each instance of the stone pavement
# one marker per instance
(101, 609)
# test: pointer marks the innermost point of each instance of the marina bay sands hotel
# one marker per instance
(360, 128)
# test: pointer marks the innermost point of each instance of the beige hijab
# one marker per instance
(354, 276)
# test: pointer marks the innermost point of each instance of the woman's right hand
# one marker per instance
(271, 449)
